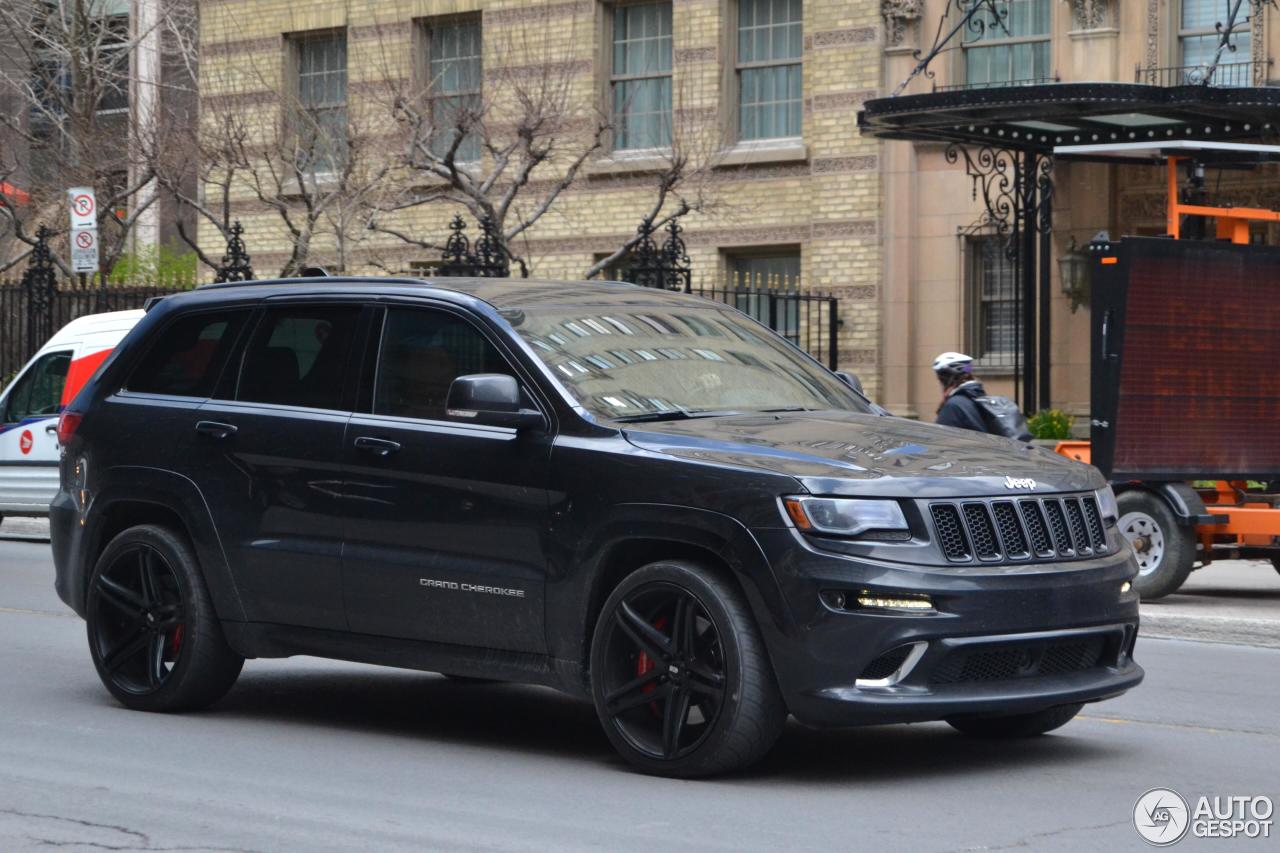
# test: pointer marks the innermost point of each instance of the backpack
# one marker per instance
(1003, 417)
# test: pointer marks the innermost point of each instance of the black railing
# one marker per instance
(808, 319)
(1231, 75)
(25, 324)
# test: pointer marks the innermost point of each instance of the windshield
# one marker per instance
(638, 362)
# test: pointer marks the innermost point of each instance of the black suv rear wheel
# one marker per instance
(680, 677)
(154, 637)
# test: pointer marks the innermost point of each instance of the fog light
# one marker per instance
(895, 601)
(1125, 587)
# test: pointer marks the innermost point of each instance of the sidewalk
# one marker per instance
(1232, 601)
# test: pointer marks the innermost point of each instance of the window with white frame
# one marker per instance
(640, 75)
(322, 100)
(1009, 47)
(991, 283)
(455, 69)
(1198, 41)
(770, 36)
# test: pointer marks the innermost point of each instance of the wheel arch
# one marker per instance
(1183, 501)
(641, 534)
(154, 496)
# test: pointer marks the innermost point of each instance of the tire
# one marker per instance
(1164, 549)
(154, 637)
(468, 679)
(1016, 725)
(680, 677)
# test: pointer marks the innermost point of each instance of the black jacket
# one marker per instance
(961, 410)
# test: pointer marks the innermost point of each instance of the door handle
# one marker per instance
(52, 429)
(378, 446)
(216, 429)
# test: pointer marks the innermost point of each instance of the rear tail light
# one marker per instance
(68, 423)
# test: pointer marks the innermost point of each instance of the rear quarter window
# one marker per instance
(188, 356)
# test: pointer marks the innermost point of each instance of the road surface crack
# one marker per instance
(136, 840)
(1027, 842)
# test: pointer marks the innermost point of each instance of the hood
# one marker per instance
(849, 453)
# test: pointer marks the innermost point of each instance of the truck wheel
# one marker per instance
(1165, 551)
(1016, 725)
(681, 680)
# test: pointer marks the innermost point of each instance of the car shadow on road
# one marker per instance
(543, 721)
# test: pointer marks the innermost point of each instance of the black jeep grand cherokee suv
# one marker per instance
(627, 494)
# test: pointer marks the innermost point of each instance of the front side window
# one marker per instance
(637, 361)
(640, 78)
(298, 356)
(322, 101)
(423, 351)
(992, 284)
(454, 74)
(769, 70)
(187, 358)
(39, 391)
(1010, 48)
(1198, 41)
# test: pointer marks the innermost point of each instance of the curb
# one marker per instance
(1264, 633)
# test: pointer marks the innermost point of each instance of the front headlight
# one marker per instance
(1107, 506)
(847, 516)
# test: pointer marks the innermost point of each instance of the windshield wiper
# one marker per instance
(675, 415)
(788, 409)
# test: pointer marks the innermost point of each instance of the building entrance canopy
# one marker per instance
(1041, 118)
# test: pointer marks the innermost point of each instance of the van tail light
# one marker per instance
(68, 423)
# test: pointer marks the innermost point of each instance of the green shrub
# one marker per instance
(1050, 424)
(154, 264)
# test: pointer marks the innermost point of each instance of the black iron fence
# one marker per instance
(809, 319)
(1228, 74)
(26, 323)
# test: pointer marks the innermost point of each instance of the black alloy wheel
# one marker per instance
(679, 675)
(665, 688)
(155, 639)
(137, 620)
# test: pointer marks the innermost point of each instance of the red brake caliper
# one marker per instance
(177, 640)
(644, 663)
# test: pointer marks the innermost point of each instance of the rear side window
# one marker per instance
(298, 356)
(423, 351)
(187, 358)
(39, 391)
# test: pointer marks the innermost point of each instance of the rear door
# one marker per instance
(266, 452)
(29, 410)
(446, 521)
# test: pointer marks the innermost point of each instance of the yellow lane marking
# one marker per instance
(23, 611)
(1120, 721)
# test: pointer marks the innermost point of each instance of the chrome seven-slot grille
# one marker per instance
(1063, 528)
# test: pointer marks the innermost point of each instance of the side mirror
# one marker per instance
(491, 399)
(852, 381)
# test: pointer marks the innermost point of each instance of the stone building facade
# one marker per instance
(797, 194)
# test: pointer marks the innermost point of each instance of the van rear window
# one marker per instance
(187, 358)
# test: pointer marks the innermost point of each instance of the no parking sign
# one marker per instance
(83, 207)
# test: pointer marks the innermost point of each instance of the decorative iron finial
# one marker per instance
(40, 282)
(667, 266)
(235, 263)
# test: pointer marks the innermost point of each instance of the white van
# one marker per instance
(30, 404)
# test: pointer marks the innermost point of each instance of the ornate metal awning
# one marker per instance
(1039, 118)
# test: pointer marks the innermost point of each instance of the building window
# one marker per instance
(991, 282)
(1198, 41)
(454, 69)
(322, 100)
(1010, 49)
(769, 70)
(640, 76)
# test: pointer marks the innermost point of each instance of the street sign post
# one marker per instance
(84, 250)
(83, 206)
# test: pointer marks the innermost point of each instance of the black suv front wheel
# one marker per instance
(153, 634)
(680, 677)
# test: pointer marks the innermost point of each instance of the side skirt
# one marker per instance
(267, 640)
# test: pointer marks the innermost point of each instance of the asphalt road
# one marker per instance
(312, 755)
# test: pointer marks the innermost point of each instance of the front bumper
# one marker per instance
(1002, 639)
